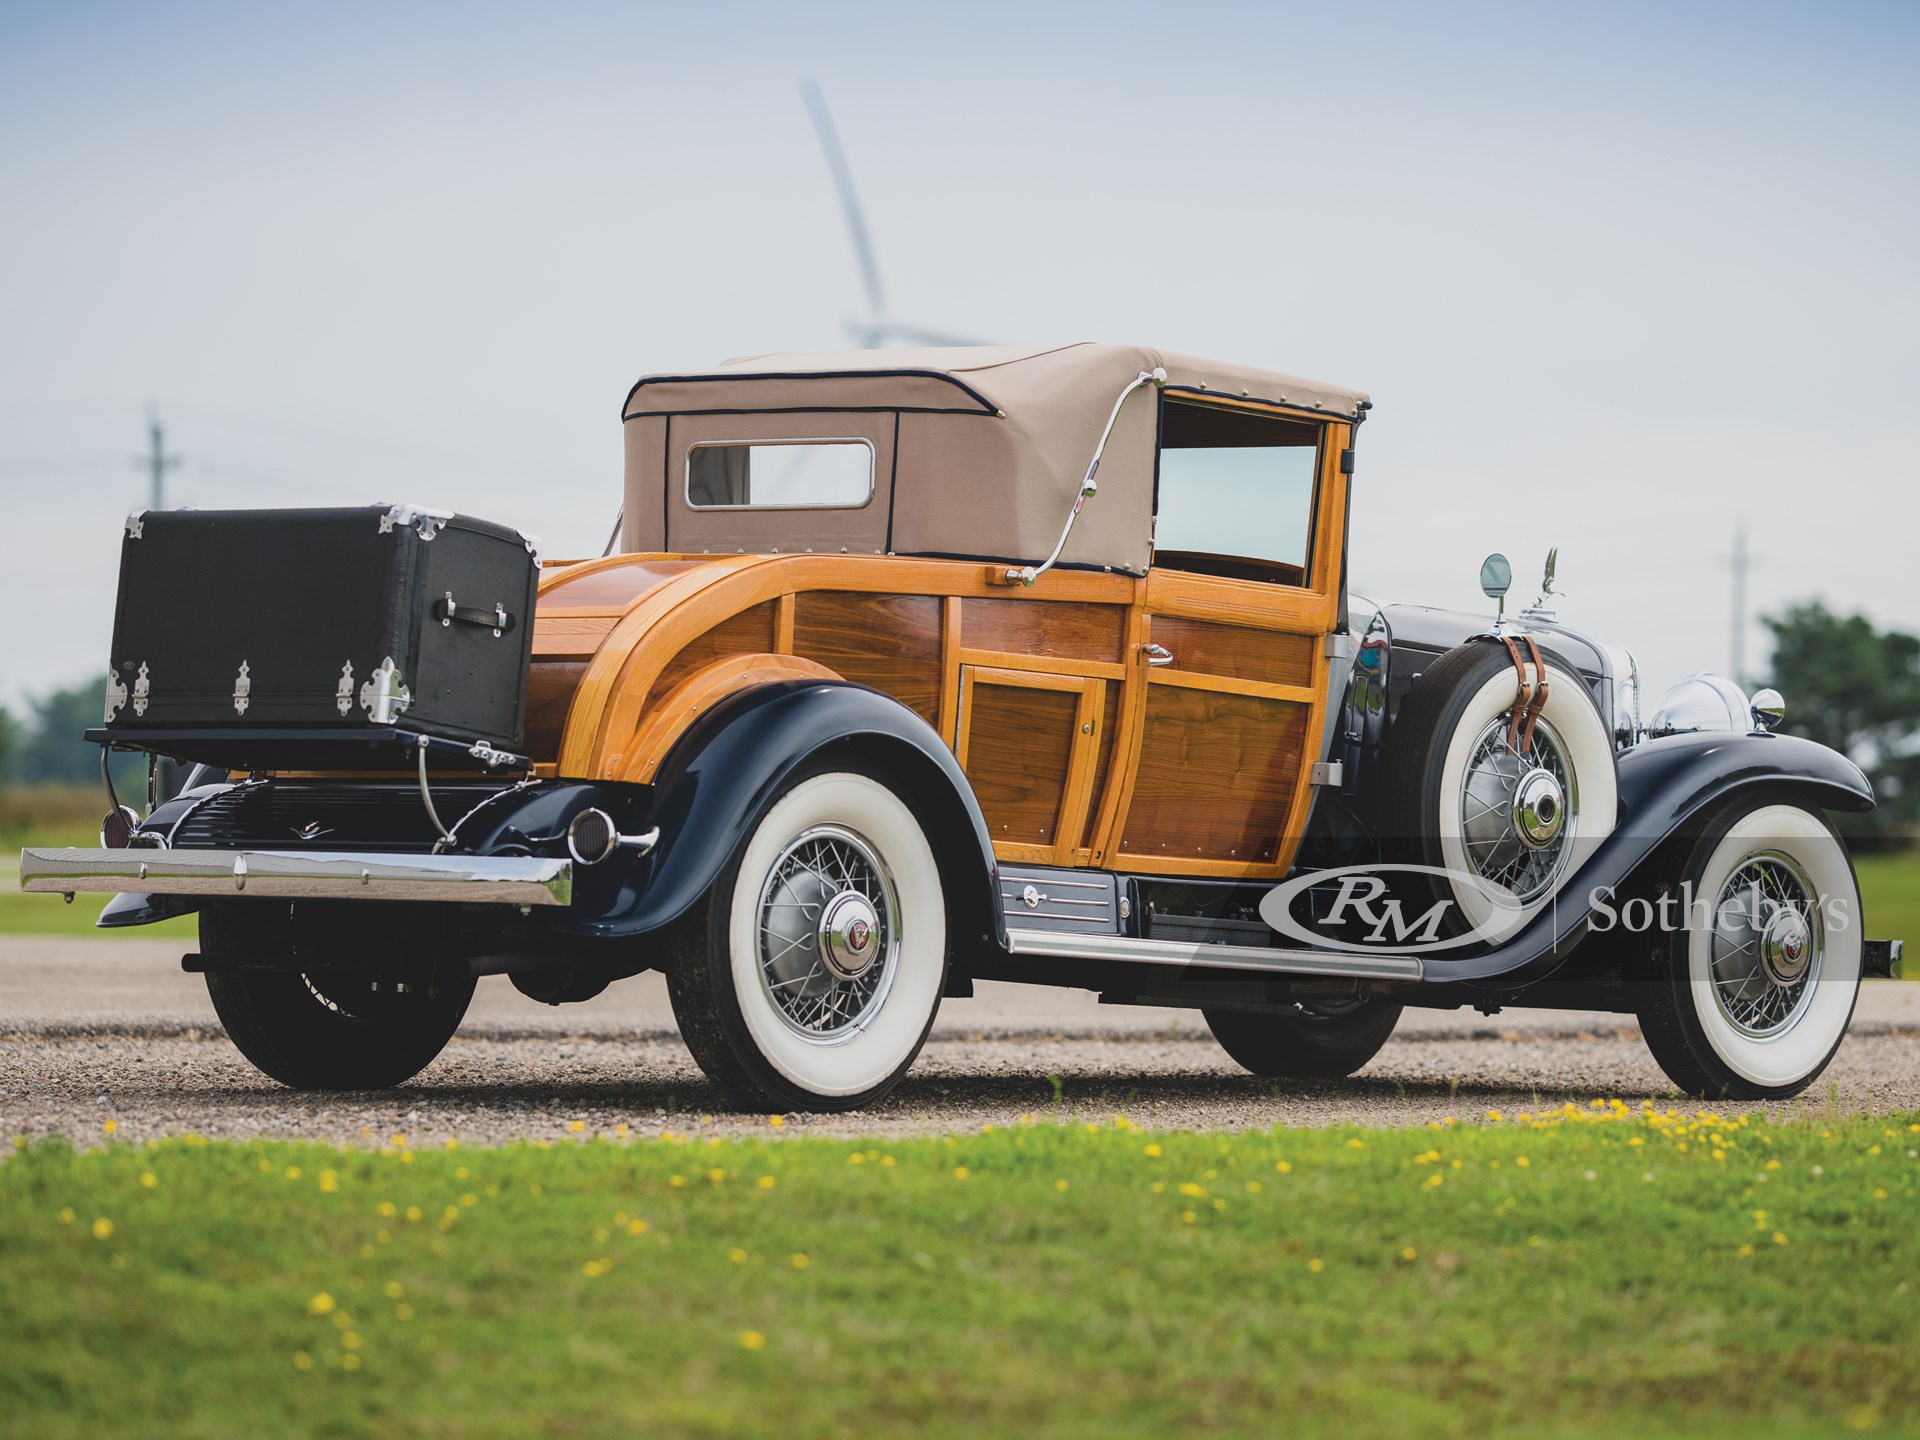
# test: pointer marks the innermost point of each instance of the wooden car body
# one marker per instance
(1080, 751)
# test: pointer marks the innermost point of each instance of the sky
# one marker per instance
(1619, 278)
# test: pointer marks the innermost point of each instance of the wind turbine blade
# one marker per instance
(887, 332)
(849, 201)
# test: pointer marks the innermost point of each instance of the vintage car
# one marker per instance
(910, 669)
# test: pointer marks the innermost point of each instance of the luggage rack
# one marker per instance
(233, 747)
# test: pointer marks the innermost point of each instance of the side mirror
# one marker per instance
(1768, 708)
(1496, 576)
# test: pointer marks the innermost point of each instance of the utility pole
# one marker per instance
(1740, 562)
(156, 462)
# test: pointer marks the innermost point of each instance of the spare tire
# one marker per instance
(1498, 830)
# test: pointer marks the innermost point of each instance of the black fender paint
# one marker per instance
(724, 772)
(1663, 784)
(715, 784)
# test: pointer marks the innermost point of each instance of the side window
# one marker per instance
(1236, 492)
(780, 475)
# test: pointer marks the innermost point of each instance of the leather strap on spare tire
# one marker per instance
(1529, 699)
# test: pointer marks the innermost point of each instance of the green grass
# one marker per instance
(1631, 1276)
(1890, 898)
(22, 914)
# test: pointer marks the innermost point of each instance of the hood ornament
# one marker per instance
(1542, 607)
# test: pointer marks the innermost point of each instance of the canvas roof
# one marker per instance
(980, 450)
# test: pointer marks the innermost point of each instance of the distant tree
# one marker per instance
(51, 751)
(1857, 690)
(48, 748)
(9, 743)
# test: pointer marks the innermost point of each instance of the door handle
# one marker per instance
(1156, 655)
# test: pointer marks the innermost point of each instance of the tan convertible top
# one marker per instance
(978, 450)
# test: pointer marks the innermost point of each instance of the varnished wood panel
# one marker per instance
(560, 635)
(550, 688)
(609, 586)
(669, 716)
(1240, 602)
(1217, 779)
(1266, 656)
(1018, 744)
(1108, 737)
(891, 642)
(1044, 628)
(749, 632)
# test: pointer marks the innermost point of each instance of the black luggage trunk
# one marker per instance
(268, 637)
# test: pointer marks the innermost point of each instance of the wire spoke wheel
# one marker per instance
(1768, 945)
(829, 934)
(1519, 810)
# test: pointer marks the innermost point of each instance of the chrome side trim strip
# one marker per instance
(300, 874)
(1066, 945)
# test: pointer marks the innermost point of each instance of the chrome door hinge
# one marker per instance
(1328, 772)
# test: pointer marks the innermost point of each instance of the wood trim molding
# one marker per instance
(1247, 603)
(1044, 664)
(1260, 689)
(1130, 727)
(667, 721)
(950, 667)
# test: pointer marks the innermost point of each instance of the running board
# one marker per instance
(1328, 963)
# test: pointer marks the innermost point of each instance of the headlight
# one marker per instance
(1626, 696)
(1702, 702)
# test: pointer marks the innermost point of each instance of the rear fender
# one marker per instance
(731, 763)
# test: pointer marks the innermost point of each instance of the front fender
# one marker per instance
(728, 767)
(1664, 784)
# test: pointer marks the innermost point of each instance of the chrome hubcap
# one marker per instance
(1768, 945)
(848, 926)
(1518, 812)
(1539, 807)
(829, 932)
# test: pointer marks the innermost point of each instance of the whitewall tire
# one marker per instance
(1751, 998)
(812, 974)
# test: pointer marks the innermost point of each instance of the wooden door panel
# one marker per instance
(1217, 778)
(1028, 742)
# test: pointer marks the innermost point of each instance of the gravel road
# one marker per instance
(98, 1030)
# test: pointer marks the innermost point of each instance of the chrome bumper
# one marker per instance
(300, 875)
